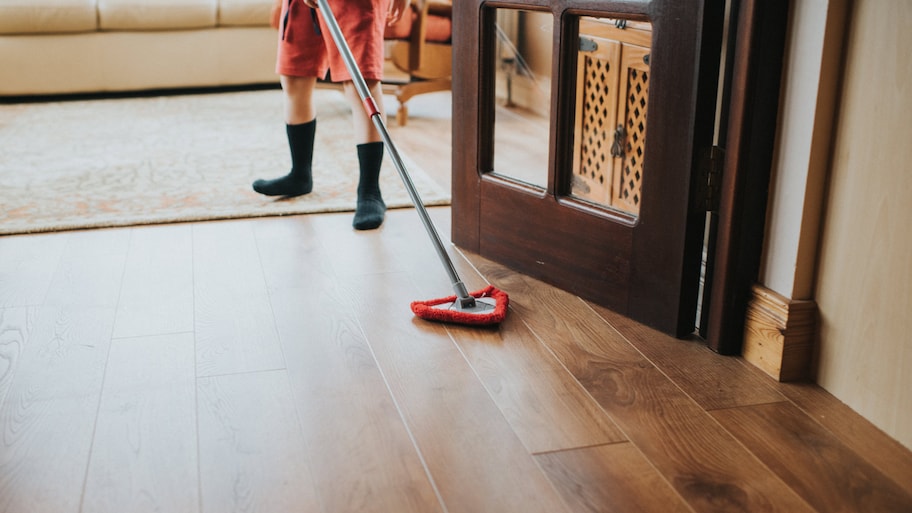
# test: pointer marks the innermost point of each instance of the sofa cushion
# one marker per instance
(32, 16)
(438, 29)
(244, 12)
(156, 14)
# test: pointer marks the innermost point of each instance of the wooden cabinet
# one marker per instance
(611, 103)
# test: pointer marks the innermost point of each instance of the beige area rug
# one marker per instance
(120, 162)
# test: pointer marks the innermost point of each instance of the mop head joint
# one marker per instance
(490, 308)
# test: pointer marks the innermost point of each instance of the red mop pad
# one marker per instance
(432, 311)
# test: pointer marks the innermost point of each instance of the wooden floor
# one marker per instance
(274, 365)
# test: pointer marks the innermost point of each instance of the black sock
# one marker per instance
(299, 180)
(371, 208)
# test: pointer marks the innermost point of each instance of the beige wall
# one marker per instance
(811, 69)
(864, 284)
(840, 196)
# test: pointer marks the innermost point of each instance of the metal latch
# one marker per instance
(617, 147)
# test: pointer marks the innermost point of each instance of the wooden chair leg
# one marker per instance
(402, 115)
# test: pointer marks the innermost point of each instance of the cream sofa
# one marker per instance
(88, 46)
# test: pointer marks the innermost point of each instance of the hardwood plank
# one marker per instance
(49, 413)
(547, 408)
(610, 478)
(362, 453)
(418, 257)
(91, 269)
(251, 453)
(356, 253)
(442, 218)
(144, 454)
(156, 296)
(812, 461)
(712, 380)
(476, 460)
(235, 329)
(853, 430)
(15, 324)
(290, 251)
(27, 264)
(704, 464)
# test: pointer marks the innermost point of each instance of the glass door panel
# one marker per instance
(522, 95)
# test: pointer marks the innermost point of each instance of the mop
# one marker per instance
(486, 306)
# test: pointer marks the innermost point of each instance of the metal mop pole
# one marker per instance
(464, 300)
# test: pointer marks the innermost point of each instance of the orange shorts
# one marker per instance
(306, 47)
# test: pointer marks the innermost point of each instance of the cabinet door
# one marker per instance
(611, 101)
(596, 123)
(629, 146)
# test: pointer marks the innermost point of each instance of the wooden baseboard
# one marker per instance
(779, 334)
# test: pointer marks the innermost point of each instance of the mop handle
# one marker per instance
(370, 106)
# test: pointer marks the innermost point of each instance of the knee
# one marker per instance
(297, 86)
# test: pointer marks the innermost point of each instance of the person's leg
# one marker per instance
(365, 131)
(370, 208)
(299, 106)
(300, 58)
(300, 127)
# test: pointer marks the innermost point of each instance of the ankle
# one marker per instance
(370, 159)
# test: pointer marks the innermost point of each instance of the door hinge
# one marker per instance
(587, 45)
(709, 173)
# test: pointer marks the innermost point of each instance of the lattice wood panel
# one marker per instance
(629, 173)
(596, 116)
(612, 95)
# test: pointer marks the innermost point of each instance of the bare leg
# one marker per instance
(365, 131)
(299, 107)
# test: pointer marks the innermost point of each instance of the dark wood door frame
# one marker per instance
(756, 52)
(756, 47)
(640, 266)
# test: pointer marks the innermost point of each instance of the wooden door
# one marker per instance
(639, 251)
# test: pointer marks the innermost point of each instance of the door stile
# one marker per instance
(756, 73)
(471, 124)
